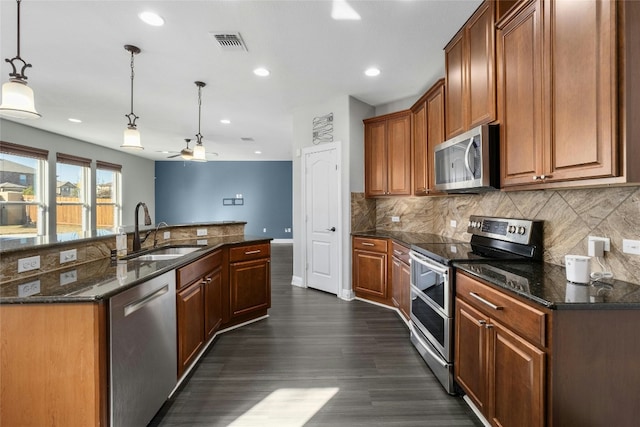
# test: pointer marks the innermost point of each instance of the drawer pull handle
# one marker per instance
(485, 302)
(252, 252)
(395, 252)
(367, 244)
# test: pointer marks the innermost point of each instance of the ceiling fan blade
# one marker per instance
(175, 155)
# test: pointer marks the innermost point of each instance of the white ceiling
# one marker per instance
(81, 70)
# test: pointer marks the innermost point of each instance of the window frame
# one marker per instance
(116, 190)
(84, 193)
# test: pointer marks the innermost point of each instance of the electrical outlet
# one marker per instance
(28, 289)
(631, 246)
(605, 240)
(238, 196)
(68, 256)
(287, 230)
(395, 219)
(201, 242)
(167, 235)
(264, 230)
(453, 223)
(201, 232)
(28, 264)
(68, 277)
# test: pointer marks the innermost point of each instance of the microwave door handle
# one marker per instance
(466, 158)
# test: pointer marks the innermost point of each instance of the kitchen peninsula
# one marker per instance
(57, 326)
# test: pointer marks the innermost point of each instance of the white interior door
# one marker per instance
(322, 209)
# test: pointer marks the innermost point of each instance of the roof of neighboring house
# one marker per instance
(65, 184)
(9, 166)
(11, 185)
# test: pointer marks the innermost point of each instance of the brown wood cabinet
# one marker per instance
(564, 93)
(502, 372)
(428, 126)
(370, 269)
(249, 281)
(470, 77)
(198, 306)
(387, 153)
(401, 279)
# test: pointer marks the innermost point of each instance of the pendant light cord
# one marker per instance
(132, 116)
(132, 76)
(18, 49)
(15, 74)
(199, 135)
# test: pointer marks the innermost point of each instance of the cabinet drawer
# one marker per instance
(245, 253)
(374, 245)
(520, 317)
(400, 252)
(198, 268)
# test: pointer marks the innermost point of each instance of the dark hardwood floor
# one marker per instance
(316, 361)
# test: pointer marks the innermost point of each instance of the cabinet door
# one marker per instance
(375, 163)
(212, 303)
(420, 151)
(250, 286)
(455, 76)
(399, 152)
(481, 86)
(520, 95)
(435, 129)
(583, 89)
(516, 380)
(370, 273)
(190, 312)
(470, 353)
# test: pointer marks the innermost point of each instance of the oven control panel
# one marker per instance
(515, 230)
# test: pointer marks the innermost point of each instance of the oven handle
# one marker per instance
(437, 357)
(420, 259)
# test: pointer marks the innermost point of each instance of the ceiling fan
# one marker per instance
(186, 153)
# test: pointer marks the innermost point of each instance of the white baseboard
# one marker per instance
(282, 241)
(347, 295)
(297, 281)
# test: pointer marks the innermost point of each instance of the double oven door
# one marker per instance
(432, 316)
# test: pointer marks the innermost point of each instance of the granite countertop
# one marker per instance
(17, 243)
(404, 238)
(101, 279)
(546, 284)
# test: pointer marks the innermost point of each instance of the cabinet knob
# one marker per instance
(482, 322)
(488, 326)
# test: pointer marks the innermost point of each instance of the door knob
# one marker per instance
(331, 229)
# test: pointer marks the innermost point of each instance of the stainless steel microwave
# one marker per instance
(470, 162)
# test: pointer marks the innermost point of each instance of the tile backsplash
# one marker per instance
(570, 217)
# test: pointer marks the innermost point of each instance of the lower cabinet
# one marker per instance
(401, 279)
(370, 260)
(249, 281)
(198, 306)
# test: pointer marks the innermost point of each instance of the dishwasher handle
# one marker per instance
(137, 305)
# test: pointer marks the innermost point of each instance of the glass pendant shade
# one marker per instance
(17, 101)
(132, 139)
(199, 153)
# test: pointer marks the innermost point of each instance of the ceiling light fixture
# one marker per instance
(198, 150)
(72, 120)
(151, 18)
(342, 11)
(17, 97)
(372, 72)
(187, 153)
(262, 72)
(131, 133)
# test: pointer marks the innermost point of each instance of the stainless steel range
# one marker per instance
(432, 287)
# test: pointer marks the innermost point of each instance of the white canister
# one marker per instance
(578, 268)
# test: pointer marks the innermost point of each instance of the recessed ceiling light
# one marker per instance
(151, 18)
(225, 121)
(72, 120)
(372, 72)
(258, 152)
(262, 72)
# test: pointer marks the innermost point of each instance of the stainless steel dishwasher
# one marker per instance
(142, 338)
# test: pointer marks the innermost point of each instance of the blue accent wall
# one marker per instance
(188, 192)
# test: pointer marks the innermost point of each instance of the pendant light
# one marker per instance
(131, 133)
(17, 97)
(198, 150)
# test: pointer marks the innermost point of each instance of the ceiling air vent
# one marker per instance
(247, 139)
(229, 41)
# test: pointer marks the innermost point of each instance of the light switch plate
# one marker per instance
(28, 264)
(395, 219)
(201, 232)
(167, 235)
(453, 223)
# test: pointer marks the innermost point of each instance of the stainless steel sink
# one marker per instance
(165, 253)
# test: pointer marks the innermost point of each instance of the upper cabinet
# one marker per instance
(428, 124)
(470, 79)
(387, 153)
(564, 98)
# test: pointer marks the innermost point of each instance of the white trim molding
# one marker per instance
(297, 281)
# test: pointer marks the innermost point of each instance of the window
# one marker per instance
(108, 195)
(73, 207)
(22, 190)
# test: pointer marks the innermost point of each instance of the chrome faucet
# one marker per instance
(155, 234)
(137, 242)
